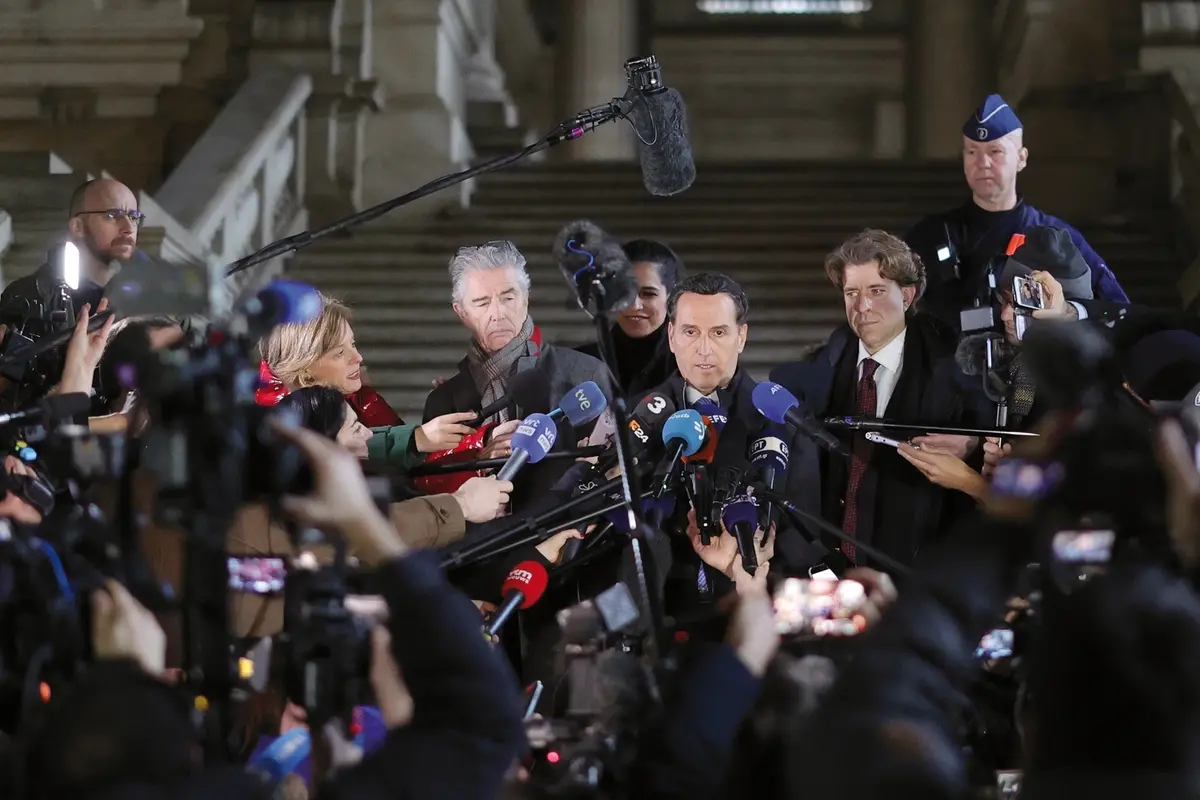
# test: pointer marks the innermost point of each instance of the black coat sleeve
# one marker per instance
(466, 729)
(687, 753)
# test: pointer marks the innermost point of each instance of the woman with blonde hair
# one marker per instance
(322, 352)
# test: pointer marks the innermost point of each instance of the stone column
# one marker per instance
(421, 55)
(598, 37)
(326, 39)
(949, 73)
(92, 99)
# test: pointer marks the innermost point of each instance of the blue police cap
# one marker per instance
(991, 120)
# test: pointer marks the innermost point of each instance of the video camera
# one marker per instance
(31, 319)
(588, 751)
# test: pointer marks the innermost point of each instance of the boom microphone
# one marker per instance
(587, 255)
(660, 120)
(971, 355)
(523, 587)
(781, 407)
(533, 439)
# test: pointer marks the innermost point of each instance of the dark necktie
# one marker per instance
(865, 398)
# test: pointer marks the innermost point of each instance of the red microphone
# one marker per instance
(523, 587)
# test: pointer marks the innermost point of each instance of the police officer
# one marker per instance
(959, 246)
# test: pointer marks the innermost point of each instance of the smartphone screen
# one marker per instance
(257, 575)
(1028, 293)
(995, 644)
(819, 608)
(1083, 547)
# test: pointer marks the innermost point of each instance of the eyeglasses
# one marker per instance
(117, 214)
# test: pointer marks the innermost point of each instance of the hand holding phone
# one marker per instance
(879, 438)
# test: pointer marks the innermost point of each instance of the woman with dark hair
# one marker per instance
(324, 410)
(644, 359)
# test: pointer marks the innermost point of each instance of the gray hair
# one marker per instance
(490, 255)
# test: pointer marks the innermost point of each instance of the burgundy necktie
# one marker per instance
(865, 398)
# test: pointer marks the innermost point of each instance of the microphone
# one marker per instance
(281, 302)
(740, 517)
(781, 407)
(583, 404)
(586, 255)
(528, 390)
(683, 434)
(648, 419)
(715, 420)
(659, 118)
(769, 458)
(972, 356)
(534, 438)
(53, 408)
(523, 587)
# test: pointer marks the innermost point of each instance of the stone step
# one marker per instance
(43, 192)
(370, 336)
(33, 164)
(740, 221)
(559, 314)
(874, 171)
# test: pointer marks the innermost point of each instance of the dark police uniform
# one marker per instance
(957, 245)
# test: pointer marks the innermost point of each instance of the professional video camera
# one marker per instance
(588, 751)
(39, 324)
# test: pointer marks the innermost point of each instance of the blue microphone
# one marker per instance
(769, 458)
(533, 439)
(282, 302)
(583, 404)
(781, 407)
(683, 434)
(740, 518)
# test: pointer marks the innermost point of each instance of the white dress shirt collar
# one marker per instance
(891, 357)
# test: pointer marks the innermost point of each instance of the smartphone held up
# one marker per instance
(819, 607)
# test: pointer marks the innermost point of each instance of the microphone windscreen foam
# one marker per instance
(530, 579)
(584, 404)
(773, 401)
(660, 119)
(582, 249)
(687, 426)
(535, 435)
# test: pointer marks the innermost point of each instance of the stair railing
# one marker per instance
(6, 238)
(242, 185)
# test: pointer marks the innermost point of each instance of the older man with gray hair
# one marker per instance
(491, 297)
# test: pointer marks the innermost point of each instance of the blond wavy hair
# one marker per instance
(290, 350)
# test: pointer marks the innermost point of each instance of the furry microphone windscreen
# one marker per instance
(660, 119)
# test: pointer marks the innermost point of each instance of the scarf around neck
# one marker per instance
(490, 372)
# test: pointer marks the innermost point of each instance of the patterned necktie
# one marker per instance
(865, 399)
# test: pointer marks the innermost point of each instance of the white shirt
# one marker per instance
(692, 395)
(891, 361)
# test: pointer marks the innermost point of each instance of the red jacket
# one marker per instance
(373, 411)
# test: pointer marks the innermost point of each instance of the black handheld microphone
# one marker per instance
(528, 390)
(53, 408)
